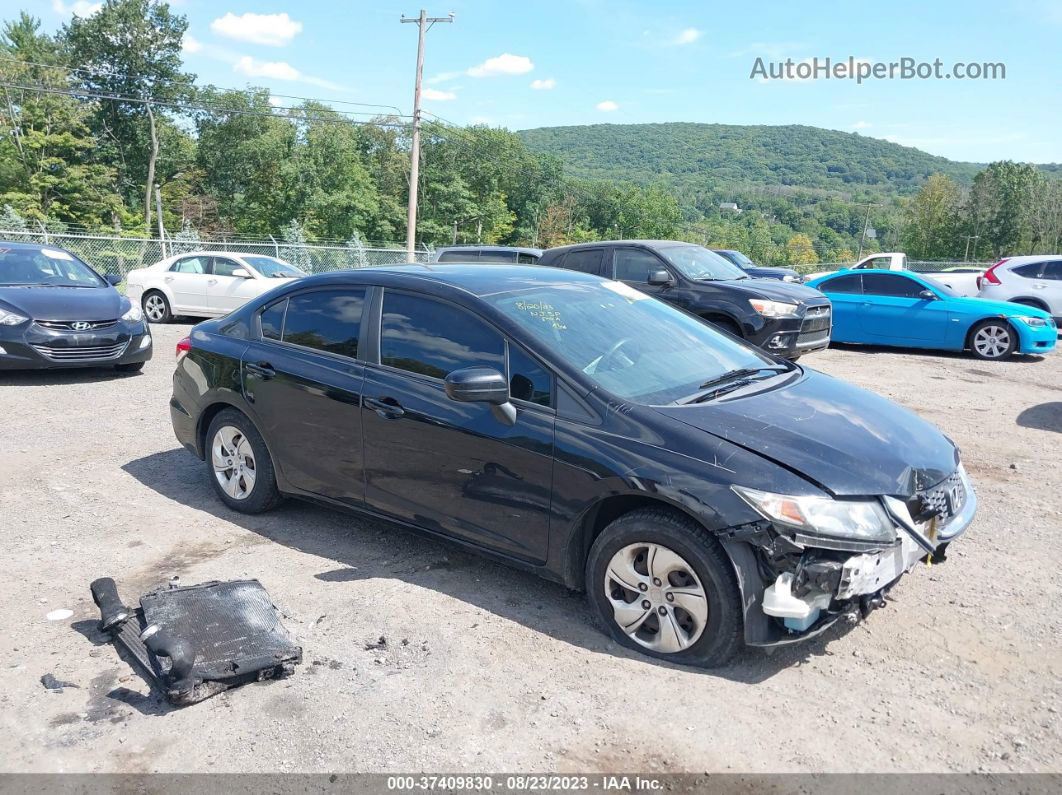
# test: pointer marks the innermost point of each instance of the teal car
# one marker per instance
(878, 307)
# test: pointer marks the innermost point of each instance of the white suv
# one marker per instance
(1033, 281)
(205, 283)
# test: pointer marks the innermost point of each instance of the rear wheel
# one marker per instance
(239, 463)
(1031, 302)
(156, 307)
(993, 339)
(659, 584)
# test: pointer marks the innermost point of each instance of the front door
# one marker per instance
(454, 467)
(894, 310)
(635, 265)
(302, 378)
(225, 291)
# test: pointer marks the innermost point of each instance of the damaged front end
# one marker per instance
(812, 561)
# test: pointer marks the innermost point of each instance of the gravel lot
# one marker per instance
(488, 669)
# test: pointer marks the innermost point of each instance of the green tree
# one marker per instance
(800, 251)
(932, 220)
(999, 209)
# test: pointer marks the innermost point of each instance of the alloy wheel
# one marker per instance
(155, 307)
(233, 462)
(656, 597)
(992, 341)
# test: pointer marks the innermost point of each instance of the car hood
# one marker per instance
(64, 303)
(987, 306)
(764, 270)
(848, 441)
(775, 290)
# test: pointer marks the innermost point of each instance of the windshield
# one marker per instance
(45, 267)
(272, 268)
(740, 259)
(632, 345)
(697, 262)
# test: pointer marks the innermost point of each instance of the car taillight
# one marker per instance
(183, 347)
(990, 277)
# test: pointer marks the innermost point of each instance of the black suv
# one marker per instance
(786, 319)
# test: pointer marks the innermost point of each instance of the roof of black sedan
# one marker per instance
(484, 278)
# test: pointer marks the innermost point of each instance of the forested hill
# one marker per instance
(703, 158)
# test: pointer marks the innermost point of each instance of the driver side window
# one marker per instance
(635, 265)
(225, 267)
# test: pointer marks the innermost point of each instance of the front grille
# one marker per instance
(68, 325)
(816, 318)
(943, 500)
(84, 353)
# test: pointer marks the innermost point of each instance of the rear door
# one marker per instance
(893, 309)
(187, 280)
(304, 380)
(585, 260)
(225, 291)
(454, 467)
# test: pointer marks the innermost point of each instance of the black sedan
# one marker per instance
(702, 492)
(56, 311)
(759, 271)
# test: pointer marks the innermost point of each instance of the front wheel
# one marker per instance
(993, 339)
(663, 586)
(239, 463)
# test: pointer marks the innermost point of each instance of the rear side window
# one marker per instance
(587, 260)
(272, 320)
(527, 380)
(843, 284)
(1029, 271)
(1052, 270)
(887, 284)
(497, 256)
(526, 259)
(325, 320)
(422, 335)
(635, 265)
(458, 256)
(190, 265)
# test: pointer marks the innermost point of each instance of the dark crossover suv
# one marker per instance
(56, 311)
(483, 253)
(785, 319)
(759, 271)
(701, 492)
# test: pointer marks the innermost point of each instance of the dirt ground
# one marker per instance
(481, 668)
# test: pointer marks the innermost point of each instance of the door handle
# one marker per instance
(167, 279)
(386, 407)
(212, 281)
(1039, 286)
(263, 370)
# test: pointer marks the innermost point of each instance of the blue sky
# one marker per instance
(549, 62)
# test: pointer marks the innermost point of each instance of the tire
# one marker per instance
(993, 339)
(233, 440)
(709, 633)
(156, 307)
(129, 367)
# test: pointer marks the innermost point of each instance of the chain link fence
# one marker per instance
(926, 266)
(123, 254)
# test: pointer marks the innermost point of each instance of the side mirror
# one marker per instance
(928, 295)
(659, 278)
(241, 273)
(113, 279)
(482, 385)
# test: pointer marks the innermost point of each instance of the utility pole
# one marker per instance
(966, 256)
(862, 239)
(424, 23)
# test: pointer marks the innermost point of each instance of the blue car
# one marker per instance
(878, 307)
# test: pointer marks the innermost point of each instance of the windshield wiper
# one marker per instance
(734, 379)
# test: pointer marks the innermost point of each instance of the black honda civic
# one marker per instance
(56, 311)
(703, 492)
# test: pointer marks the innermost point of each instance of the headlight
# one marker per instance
(10, 318)
(861, 520)
(134, 314)
(1033, 322)
(773, 308)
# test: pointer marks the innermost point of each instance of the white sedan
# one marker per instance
(205, 283)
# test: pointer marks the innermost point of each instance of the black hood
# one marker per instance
(64, 303)
(775, 290)
(762, 271)
(845, 439)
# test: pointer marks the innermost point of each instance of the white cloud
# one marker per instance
(543, 85)
(275, 30)
(79, 8)
(607, 106)
(275, 70)
(861, 125)
(191, 44)
(442, 77)
(437, 95)
(504, 64)
(276, 102)
(688, 36)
